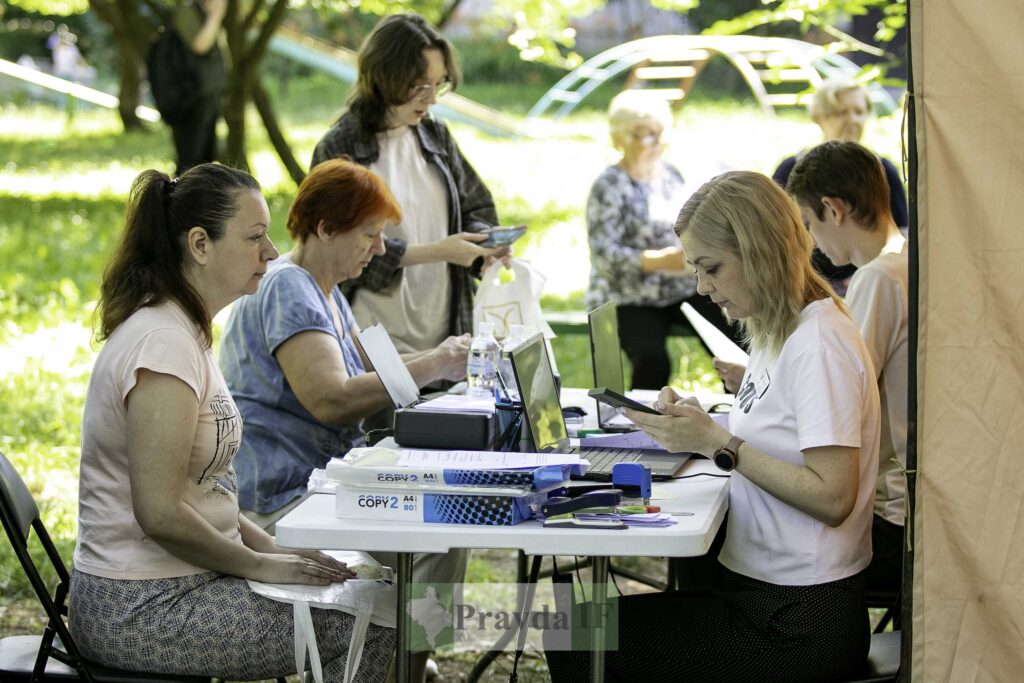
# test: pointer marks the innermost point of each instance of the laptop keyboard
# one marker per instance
(602, 460)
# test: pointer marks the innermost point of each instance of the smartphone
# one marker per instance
(501, 236)
(614, 398)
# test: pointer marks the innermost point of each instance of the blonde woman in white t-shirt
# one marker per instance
(163, 554)
(802, 447)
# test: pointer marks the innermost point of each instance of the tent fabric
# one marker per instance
(968, 592)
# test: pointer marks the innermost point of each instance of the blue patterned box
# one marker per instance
(504, 506)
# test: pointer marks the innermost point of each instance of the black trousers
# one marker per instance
(195, 139)
(744, 630)
(643, 331)
(885, 573)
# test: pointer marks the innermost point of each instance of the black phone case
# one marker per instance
(617, 400)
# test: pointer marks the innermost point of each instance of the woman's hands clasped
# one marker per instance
(294, 565)
(683, 425)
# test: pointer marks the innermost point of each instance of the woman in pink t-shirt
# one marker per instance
(163, 554)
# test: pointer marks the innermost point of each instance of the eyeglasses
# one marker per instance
(425, 90)
(646, 137)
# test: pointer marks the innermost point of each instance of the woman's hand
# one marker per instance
(450, 357)
(505, 254)
(291, 565)
(462, 249)
(731, 374)
(683, 425)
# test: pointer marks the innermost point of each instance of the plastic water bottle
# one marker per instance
(482, 362)
(506, 376)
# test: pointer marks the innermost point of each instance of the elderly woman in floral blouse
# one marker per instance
(635, 257)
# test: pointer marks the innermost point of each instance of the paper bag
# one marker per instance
(513, 302)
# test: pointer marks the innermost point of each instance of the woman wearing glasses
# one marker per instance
(404, 66)
(635, 256)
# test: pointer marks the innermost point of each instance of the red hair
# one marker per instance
(342, 194)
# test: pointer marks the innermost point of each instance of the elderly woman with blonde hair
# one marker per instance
(841, 107)
(802, 448)
(635, 257)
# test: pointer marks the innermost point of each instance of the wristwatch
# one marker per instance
(727, 456)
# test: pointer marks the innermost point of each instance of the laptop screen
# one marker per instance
(605, 353)
(539, 395)
(388, 364)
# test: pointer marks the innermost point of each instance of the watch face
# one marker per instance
(725, 460)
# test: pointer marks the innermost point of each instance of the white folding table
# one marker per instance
(313, 524)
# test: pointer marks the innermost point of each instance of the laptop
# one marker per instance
(606, 359)
(399, 383)
(544, 419)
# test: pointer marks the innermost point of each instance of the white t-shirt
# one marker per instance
(819, 391)
(414, 309)
(878, 301)
(111, 543)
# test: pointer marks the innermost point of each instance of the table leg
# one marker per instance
(402, 618)
(599, 593)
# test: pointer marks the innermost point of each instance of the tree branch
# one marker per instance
(266, 109)
(447, 13)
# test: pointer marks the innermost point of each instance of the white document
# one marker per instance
(381, 351)
(721, 346)
(482, 460)
(450, 403)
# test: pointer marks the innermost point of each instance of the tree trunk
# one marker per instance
(277, 139)
(128, 92)
(234, 115)
(133, 34)
(246, 57)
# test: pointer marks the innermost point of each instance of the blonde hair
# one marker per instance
(747, 214)
(825, 101)
(630, 106)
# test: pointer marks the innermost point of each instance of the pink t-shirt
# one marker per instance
(110, 541)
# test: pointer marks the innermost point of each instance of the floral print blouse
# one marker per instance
(624, 218)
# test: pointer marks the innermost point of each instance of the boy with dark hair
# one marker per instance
(843, 197)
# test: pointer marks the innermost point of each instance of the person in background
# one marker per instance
(159, 579)
(802, 449)
(843, 197)
(195, 136)
(292, 364)
(635, 256)
(421, 287)
(840, 107)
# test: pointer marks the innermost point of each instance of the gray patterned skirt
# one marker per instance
(210, 625)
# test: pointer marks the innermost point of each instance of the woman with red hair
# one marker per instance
(289, 354)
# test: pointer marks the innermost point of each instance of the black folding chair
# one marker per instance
(54, 655)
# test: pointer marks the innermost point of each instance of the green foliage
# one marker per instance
(52, 253)
(60, 8)
(39, 433)
(823, 14)
(541, 30)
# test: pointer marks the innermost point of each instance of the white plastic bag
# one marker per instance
(365, 599)
(514, 302)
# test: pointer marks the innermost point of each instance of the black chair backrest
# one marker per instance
(19, 513)
(18, 504)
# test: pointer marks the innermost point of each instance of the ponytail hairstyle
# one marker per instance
(390, 61)
(748, 214)
(148, 264)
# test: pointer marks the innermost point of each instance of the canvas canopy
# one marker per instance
(968, 524)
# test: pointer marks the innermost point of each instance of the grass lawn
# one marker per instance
(63, 184)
